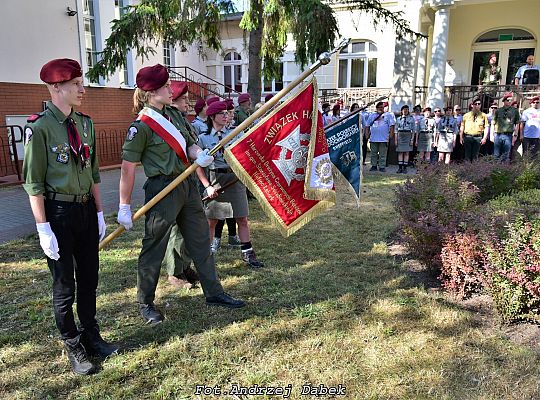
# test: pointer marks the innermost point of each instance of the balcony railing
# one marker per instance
(463, 95)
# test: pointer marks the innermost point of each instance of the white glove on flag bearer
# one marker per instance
(47, 240)
(102, 226)
(124, 216)
(204, 159)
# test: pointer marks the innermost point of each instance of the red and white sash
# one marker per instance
(166, 130)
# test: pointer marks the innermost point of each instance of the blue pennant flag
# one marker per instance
(345, 148)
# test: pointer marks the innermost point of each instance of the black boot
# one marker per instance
(404, 170)
(250, 258)
(77, 357)
(95, 345)
(150, 314)
(400, 169)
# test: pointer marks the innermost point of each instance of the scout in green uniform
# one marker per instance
(243, 111)
(61, 175)
(152, 147)
(177, 261)
(505, 124)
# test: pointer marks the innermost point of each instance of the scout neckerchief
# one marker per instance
(80, 153)
(165, 130)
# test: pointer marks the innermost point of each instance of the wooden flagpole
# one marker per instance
(324, 59)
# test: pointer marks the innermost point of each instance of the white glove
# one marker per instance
(47, 240)
(124, 216)
(204, 159)
(102, 226)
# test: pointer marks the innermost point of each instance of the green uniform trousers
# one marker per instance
(176, 259)
(379, 151)
(182, 206)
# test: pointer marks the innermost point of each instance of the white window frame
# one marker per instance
(367, 55)
(235, 64)
(168, 48)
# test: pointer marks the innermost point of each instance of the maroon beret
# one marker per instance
(152, 78)
(60, 70)
(230, 103)
(268, 97)
(199, 105)
(216, 107)
(508, 95)
(178, 89)
(535, 98)
(243, 98)
(212, 100)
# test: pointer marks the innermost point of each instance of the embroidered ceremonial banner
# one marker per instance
(166, 130)
(345, 148)
(271, 160)
(319, 183)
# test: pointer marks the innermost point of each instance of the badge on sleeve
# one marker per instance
(132, 133)
(28, 135)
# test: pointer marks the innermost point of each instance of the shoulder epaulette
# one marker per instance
(82, 114)
(35, 117)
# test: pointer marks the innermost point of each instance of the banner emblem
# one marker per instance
(293, 166)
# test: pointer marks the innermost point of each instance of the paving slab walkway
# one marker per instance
(16, 219)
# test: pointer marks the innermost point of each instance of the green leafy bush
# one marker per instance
(513, 266)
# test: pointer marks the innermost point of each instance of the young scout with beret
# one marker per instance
(61, 174)
(155, 140)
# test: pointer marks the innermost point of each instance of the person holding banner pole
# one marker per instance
(155, 140)
(231, 202)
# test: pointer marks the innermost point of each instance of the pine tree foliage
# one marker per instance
(311, 23)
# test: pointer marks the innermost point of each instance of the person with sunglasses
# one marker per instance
(231, 202)
(505, 125)
(473, 131)
(529, 130)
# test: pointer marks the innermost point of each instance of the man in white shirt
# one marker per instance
(528, 73)
(529, 130)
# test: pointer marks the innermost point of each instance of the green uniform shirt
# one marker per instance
(504, 120)
(240, 115)
(157, 157)
(49, 165)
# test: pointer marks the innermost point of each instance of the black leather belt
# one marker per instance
(70, 198)
(469, 135)
(505, 133)
(222, 170)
